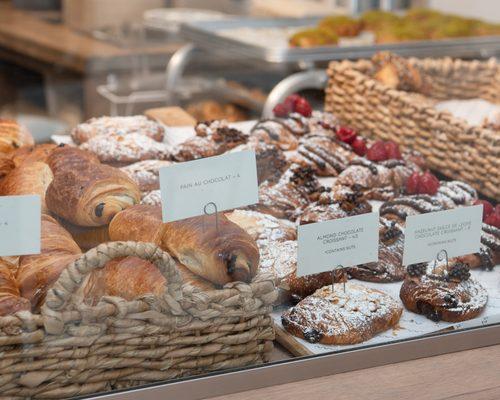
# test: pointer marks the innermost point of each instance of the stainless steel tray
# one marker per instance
(209, 35)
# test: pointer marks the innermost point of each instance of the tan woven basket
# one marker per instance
(73, 349)
(450, 146)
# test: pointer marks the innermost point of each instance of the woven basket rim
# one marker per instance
(186, 292)
(357, 68)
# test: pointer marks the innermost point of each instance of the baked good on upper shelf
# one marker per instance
(209, 110)
(446, 293)
(212, 138)
(220, 253)
(117, 126)
(10, 296)
(389, 267)
(297, 187)
(13, 136)
(396, 72)
(271, 160)
(39, 153)
(86, 192)
(120, 150)
(342, 317)
(29, 178)
(146, 173)
(38, 272)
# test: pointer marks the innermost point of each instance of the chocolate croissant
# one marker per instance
(85, 192)
(219, 251)
(10, 297)
(38, 272)
(29, 178)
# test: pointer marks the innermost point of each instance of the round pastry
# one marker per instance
(389, 267)
(120, 126)
(447, 294)
(342, 317)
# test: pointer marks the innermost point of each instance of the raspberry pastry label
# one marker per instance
(199, 187)
(458, 231)
(350, 241)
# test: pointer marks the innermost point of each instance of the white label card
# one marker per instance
(349, 241)
(228, 181)
(20, 225)
(457, 231)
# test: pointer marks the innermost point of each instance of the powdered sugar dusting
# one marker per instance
(127, 149)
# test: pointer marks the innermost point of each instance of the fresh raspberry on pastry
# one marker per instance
(377, 152)
(359, 146)
(392, 149)
(346, 135)
(425, 183)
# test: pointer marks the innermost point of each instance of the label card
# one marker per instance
(20, 225)
(349, 241)
(228, 181)
(457, 231)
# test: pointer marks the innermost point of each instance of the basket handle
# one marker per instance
(71, 279)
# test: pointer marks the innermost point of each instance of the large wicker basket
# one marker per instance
(72, 349)
(451, 147)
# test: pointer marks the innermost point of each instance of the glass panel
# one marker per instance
(101, 103)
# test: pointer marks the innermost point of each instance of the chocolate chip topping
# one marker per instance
(99, 209)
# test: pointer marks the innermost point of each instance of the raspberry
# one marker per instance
(412, 183)
(346, 135)
(392, 149)
(290, 102)
(487, 207)
(428, 184)
(303, 107)
(359, 146)
(493, 219)
(377, 152)
(280, 110)
(497, 209)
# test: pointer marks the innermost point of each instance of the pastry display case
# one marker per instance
(192, 253)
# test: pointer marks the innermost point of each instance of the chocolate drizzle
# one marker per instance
(367, 164)
(273, 134)
(486, 258)
(393, 163)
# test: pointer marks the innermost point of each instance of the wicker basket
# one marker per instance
(73, 349)
(450, 146)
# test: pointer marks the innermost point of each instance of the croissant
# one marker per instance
(10, 297)
(85, 192)
(220, 253)
(86, 237)
(38, 272)
(6, 164)
(132, 277)
(29, 178)
(13, 136)
(29, 154)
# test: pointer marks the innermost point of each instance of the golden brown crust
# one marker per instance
(194, 280)
(6, 165)
(38, 272)
(219, 255)
(125, 277)
(13, 136)
(87, 237)
(10, 297)
(342, 317)
(39, 153)
(140, 223)
(29, 178)
(85, 192)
